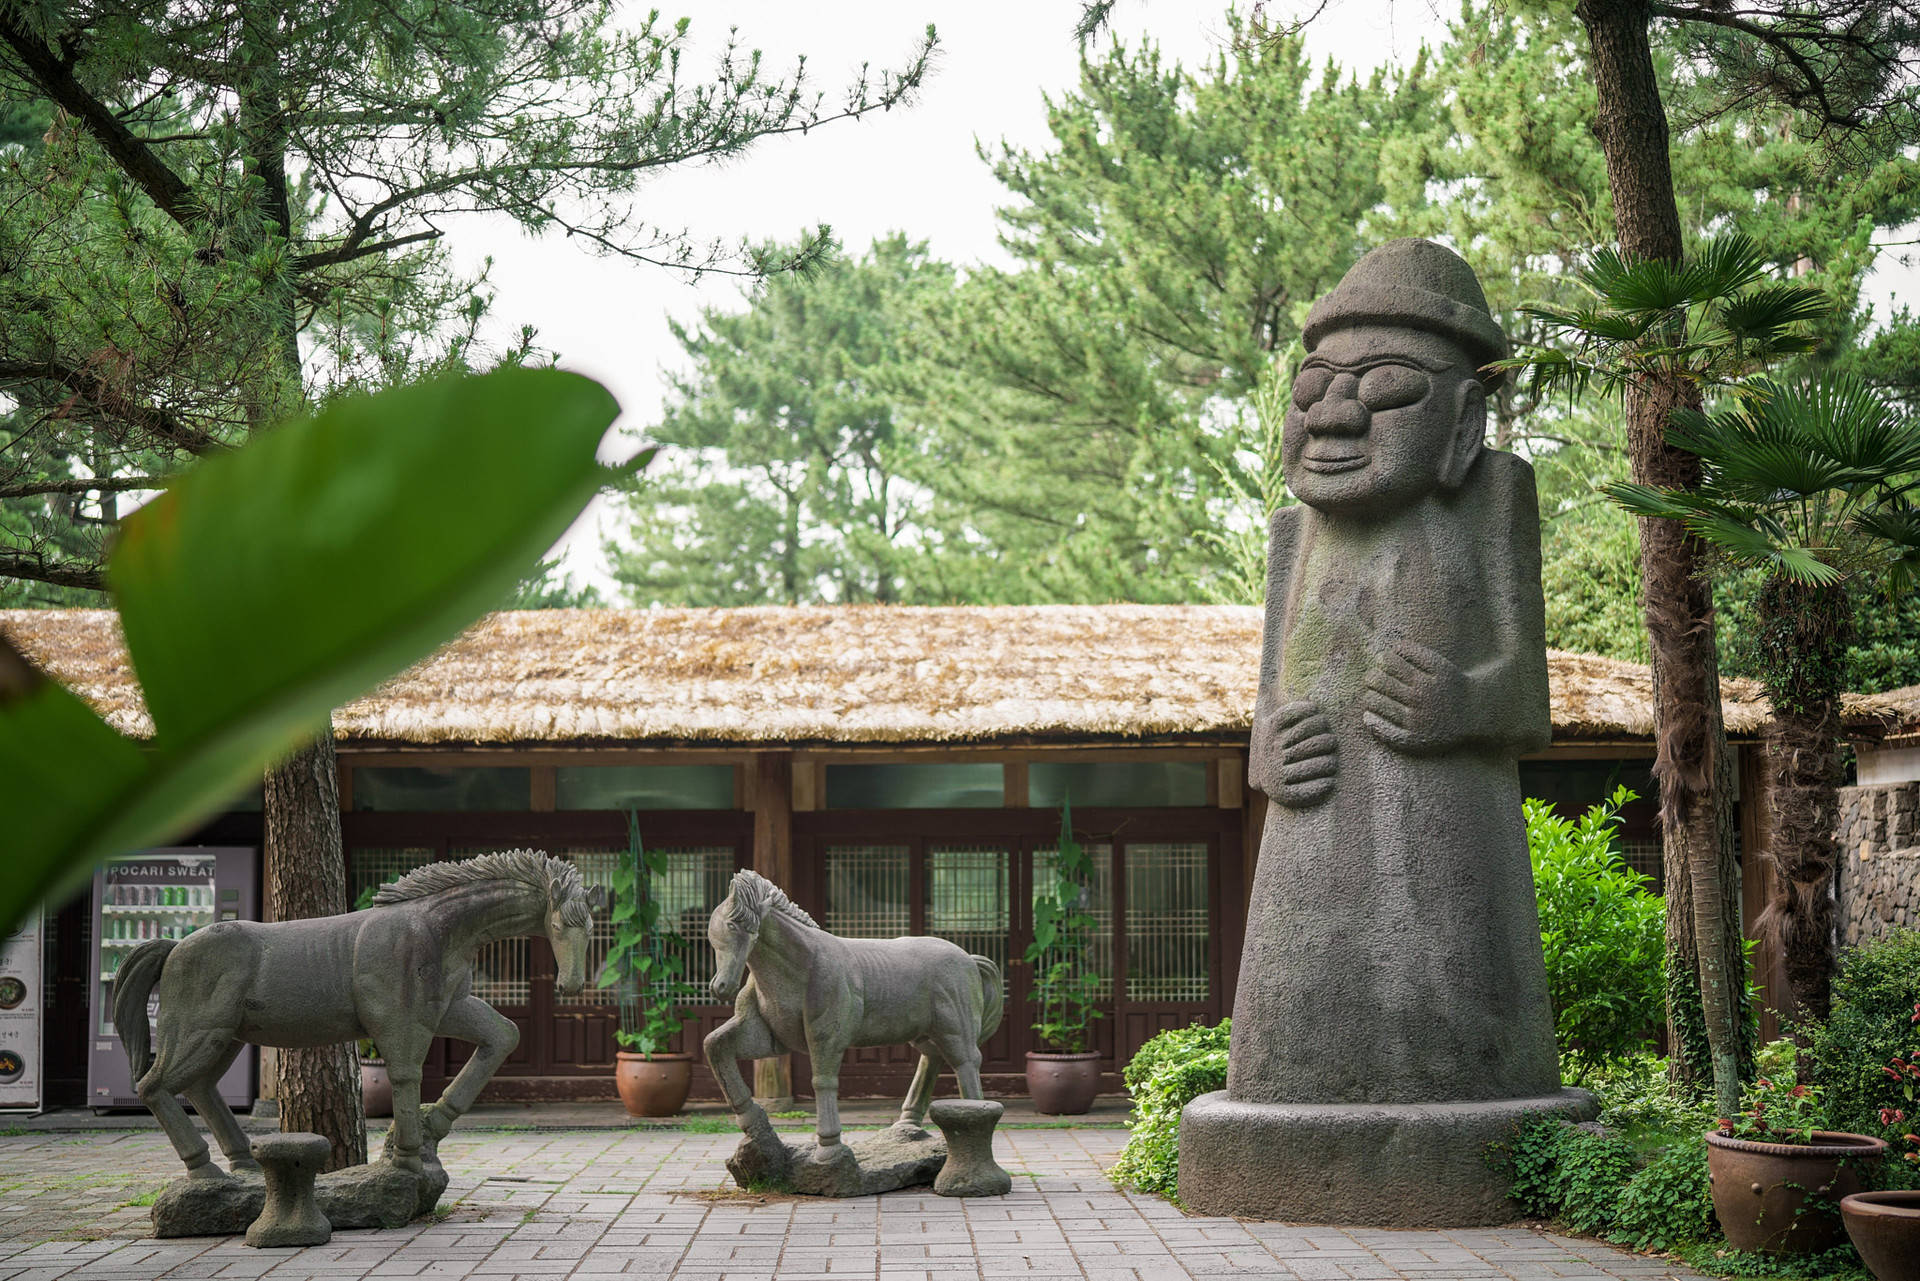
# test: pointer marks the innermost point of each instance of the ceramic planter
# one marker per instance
(1885, 1228)
(376, 1087)
(654, 1086)
(1784, 1198)
(1062, 1084)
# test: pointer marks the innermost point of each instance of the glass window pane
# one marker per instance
(1121, 784)
(643, 787)
(415, 788)
(868, 891)
(968, 898)
(1167, 925)
(900, 787)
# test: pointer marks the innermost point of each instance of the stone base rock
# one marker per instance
(968, 1125)
(865, 1165)
(378, 1195)
(1408, 1165)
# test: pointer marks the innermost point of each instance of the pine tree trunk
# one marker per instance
(307, 877)
(1691, 762)
(1806, 629)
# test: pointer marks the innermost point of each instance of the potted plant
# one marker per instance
(376, 1087)
(645, 968)
(1885, 1226)
(1063, 1080)
(1777, 1178)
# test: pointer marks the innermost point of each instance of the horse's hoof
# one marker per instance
(246, 1163)
(206, 1172)
(909, 1129)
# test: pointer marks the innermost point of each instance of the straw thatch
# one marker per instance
(848, 674)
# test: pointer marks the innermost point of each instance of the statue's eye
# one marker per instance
(1310, 384)
(1391, 386)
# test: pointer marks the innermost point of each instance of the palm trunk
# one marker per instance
(1691, 761)
(1806, 629)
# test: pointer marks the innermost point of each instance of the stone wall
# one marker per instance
(1879, 860)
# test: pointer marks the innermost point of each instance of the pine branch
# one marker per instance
(83, 485)
(55, 573)
(113, 402)
(53, 76)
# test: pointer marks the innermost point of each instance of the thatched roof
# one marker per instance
(1902, 714)
(834, 674)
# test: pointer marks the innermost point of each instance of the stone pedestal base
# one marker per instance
(863, 1165)
(377, 1195)
(968, 1125)
(1409, 1165)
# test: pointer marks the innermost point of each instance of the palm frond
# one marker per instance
(1722, 267)
(1762, 316)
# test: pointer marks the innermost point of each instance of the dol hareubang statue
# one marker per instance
(1392, 1016)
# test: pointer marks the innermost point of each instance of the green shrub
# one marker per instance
(1603, 934)
(1636, 1093)
(1592, 1181)
(1168, 1072)
(1875, 994)
(1669, 1203)
(1838, 1264)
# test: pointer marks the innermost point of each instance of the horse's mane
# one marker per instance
(554, 879)
(753, 896)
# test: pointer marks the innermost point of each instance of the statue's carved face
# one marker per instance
(1380, 417)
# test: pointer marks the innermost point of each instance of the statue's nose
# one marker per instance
(1339, 412)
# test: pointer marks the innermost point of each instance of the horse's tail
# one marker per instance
(991, 998)
(135, 980)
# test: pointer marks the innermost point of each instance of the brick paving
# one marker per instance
(619, 1204)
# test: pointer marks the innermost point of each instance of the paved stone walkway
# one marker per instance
(600, 1205)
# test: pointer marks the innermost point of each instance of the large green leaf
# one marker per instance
(269, 585)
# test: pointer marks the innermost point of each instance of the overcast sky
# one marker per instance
(913, 170)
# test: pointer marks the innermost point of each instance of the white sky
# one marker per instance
(913, 170)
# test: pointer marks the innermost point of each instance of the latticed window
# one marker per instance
(1167, 922)
(968, 899)
(869, 891)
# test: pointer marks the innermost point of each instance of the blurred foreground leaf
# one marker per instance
(270, 585)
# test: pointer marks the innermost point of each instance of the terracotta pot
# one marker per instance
(1784, 1198)
(1062, 1084)
(654, 1086)
(1885, 1227)
(376, 1087)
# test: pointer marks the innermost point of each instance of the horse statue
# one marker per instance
(400, 972)
(796, 987)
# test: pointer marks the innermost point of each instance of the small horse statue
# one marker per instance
(805, 989)
(399, 972)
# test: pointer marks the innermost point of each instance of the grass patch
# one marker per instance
(145, 1198)
(795, 1114)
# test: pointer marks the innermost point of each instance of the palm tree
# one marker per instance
(1812, 483)
(1670, 334)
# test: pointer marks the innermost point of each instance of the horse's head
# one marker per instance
(733, 929)
(569, 921)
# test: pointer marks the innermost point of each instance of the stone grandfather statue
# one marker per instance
(1391, 1016)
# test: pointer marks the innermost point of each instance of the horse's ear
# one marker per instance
(597, 897)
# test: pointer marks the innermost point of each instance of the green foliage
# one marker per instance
(1602, 932)
(1876, 996)
(1594, 1182)
(1841, 1263)
(273, 583)
(1637, 1093)
(1065, 982)
(1164, 1075)
(1777, 1110)
(646, 962)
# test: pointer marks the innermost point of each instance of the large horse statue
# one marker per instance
(400, 972)
(796, 987)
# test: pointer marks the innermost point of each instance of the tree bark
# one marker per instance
(1692, 764)
(306, 877)
(1806, 629)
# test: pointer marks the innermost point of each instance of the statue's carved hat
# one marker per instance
(1413, 284)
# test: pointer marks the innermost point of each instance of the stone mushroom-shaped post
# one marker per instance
(968, 1126)
(1391, 1018)
(291, 1215)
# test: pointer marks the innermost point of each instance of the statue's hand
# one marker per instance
(1416, 699)
(1292, 757)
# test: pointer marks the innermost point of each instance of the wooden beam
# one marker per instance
(772, 790)
(1013, 780)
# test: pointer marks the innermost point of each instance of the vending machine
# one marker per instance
(161, 894)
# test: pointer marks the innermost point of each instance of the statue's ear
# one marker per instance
(1469, 432)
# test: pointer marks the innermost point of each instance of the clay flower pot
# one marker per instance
(654, 1086)
(376, 1087)
(1885, 1227)
(1784, 1198)
(1062, 1084)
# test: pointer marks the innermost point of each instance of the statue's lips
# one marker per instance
(1333, 464)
